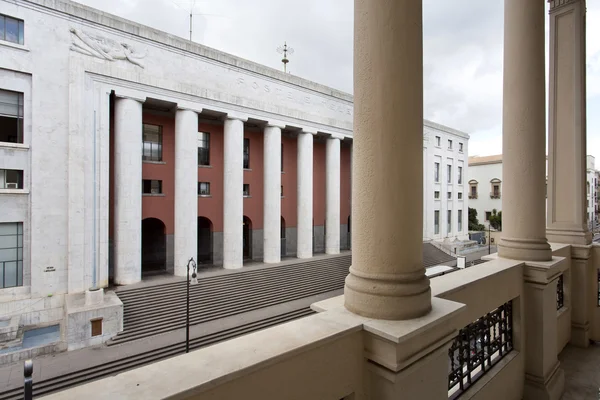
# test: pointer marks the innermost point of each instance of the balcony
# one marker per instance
(494, 195)
(473, 196)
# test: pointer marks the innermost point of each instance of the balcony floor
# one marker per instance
(582, 372)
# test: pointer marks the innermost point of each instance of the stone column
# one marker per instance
(387, 279)
(128, 191)
(272, 195)
(233, 207)
(305, 195)
(523, 136)
(186, 189)
(332, 193)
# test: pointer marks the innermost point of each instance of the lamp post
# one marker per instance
(189, 282)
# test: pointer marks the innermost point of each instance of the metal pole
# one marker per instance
(490, 239)
(187, 322)
(28, 389)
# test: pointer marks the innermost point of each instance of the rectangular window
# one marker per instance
(203, 188)
(436, 222)
(449, 221)
(11, 116)
(449, 144)
(11, 179)
(246, 190)
(460, 195)
(449, 173)
(151, 186)
(203, 148)
(460, 147)
(496, 190)
(152, 142)
(460, 175)
(449, 195)
(436, 172)
(438, 141)
(281, 193)
(488, 214)
(12, 29)
(246, 153)
(11, 254)
(436, 194)
(459, 220)
(474, 191)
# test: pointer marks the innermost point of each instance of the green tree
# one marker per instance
(496, 220)
(474, 224)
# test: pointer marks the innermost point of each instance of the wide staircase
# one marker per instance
(153, 310)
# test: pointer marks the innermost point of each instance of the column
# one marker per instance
(567, 213)
(387, 278)
(332, 194)
(233, 206)
(272, 194)
(523, 136)
(305, 195)
(186, 189)
(128, 191)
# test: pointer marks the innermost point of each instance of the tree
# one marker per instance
(496, 220)
(474, 224)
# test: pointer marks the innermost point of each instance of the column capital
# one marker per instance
(236, 116)
(276, 124)
(336, 136)
(189, 107)
(312, 131)
(131, 96)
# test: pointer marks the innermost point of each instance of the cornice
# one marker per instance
(557, 4)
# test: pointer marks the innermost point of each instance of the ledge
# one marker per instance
(14, 45)
(14, 191)
(153, 162)
(205, 196)
(18, 146)
(205, 166)
(153, 194)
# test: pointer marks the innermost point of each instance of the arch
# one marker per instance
(247, 237)
(282, 236)
(205, 241)
(154, 248)
(349, 232)
(495, 180)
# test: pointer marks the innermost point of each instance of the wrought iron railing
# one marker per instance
(478, 347)
(560, 293)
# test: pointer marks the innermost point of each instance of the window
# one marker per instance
(449, 195)
(436, 194)
(460, 195)
(449, 173)
(11, 116)
(11, 254)
(436, 222)
(459, 221)
(281, 192)
(488, 214)
(203, 188)
(246, 153)
(460, 147)
(449, 221)
(151, 186)
(495, 194)
(449, 144)
(246, 190)
(11, 29)
(436, 172)
(474, 191)
(11, 179)
(203, 148)
(152, 143)
(460, 175)
(438, 141)
(496, 190)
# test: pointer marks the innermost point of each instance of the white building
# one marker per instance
(592, 190)
(485, 185)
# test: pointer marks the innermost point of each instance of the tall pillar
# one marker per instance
(128, 191)
(272, 195)
(567, 213)
(523, 136)
(305, 195)
(186, 192)
(387, 278)
(332, 194)
(233, 207)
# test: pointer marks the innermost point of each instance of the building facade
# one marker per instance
(591, 191)
(485, 186)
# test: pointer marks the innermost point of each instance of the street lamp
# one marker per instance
(189, 282)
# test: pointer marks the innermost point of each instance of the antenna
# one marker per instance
(192, 4)
(285, 50)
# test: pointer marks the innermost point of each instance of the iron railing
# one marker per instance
(478, 347)
(560, 293)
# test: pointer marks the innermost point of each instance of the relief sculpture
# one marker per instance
(104, 48)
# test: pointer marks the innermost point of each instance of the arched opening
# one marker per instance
(205, 241)
(247, 238)
(282, 235)
(154, 249)
(349, 234)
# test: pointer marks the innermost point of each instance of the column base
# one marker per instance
(569, 237)
(392, 297)
(580, 335)
(551, 388)
(525, 249)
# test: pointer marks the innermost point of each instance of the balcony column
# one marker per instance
(186, 189)
(332, 193)
(272, 194)
(387, 279)
(233, 207)
(524, 143)
(128, 190)
(305, 194)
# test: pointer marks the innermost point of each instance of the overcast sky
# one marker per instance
(462, 50)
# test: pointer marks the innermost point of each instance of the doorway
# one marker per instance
(154, 249)
(247, 238)
(205, 241)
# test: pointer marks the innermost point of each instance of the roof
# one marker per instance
(475, 160)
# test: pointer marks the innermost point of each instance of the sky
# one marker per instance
(462, 52)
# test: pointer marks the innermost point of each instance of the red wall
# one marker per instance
(345, 187)
(212, 207)
(319, 183)
(288, 181)
(253, 205)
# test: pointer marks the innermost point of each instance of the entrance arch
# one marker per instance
(349, 234)
(205, 241)
(282, 236)
(154, 249)
(247, 234)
